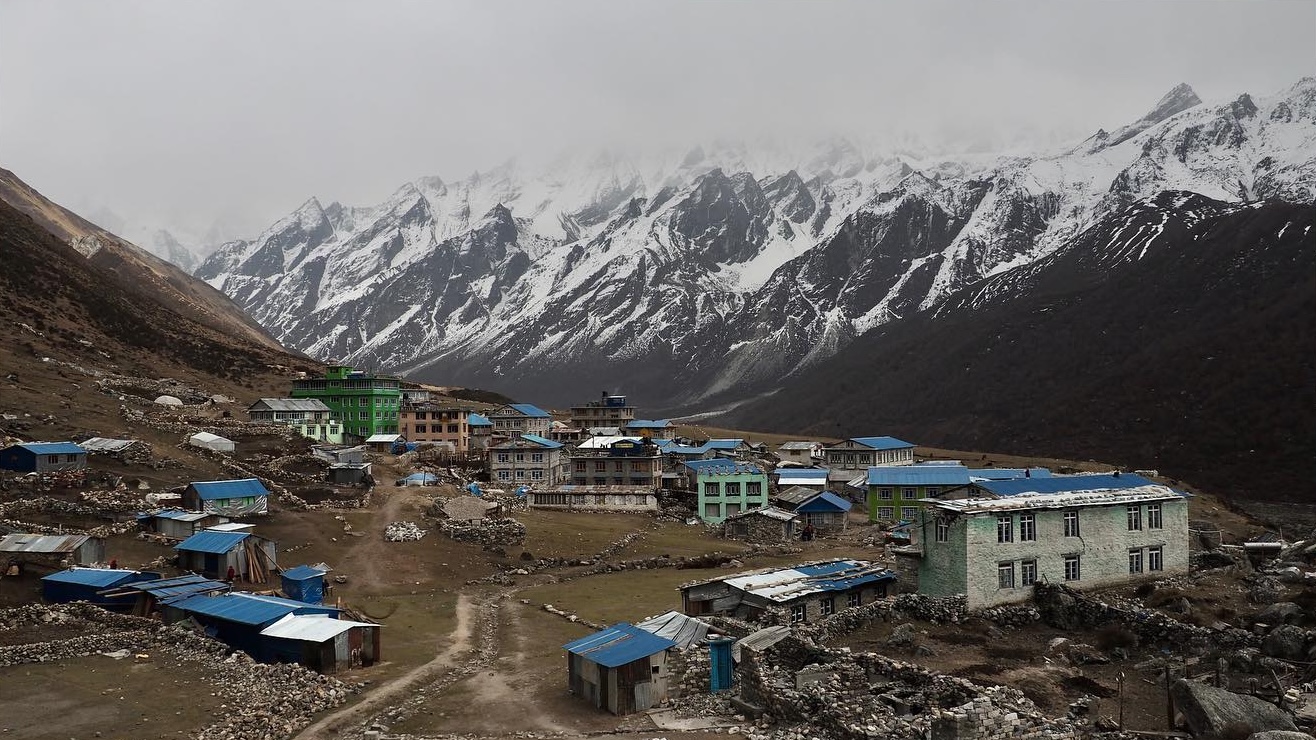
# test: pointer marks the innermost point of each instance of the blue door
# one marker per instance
(720, 653)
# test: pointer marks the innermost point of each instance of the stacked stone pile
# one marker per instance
(403, 532)
(1065, 608)
(490, 532)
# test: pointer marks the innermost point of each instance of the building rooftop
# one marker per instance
(1062, 483)
(50, 544)
(787, 584)
(918, 475)
(169, 589)
(718, 466)
(618, 645)
(648, 424)
(824, 501)
(245, 608)
(302, 573)
(879, 443)
(770, 512)
(797, 445)
(478, 420)
(1064, 500)
(101, 577)
(311, 627)
(541, 441)
(211, 542)
(304, 405)
(681, 629)
(106, 444)
(51, 448)
(209, 490)
(1008, 473)
(813, 475)
(526, 409)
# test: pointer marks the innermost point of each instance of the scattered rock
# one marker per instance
(1210, 711)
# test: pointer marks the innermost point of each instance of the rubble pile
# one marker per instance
(403, 532)
(490, 532)
(148, 389)
(1064, 608)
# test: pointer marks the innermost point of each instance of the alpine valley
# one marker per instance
(718, 274)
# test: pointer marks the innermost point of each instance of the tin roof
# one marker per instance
(1063, 500)
(51, 448)
(215, 489)
(770, 512)
(179, 515)
(618, 645)
(787, 584)
(761, 640)
(720, 466)
(291, 404)
(375, 439)
(42, 543)
(1063, 483)
(105, 444)
(101, 577)
(797, 445)
(542, 442)
(208, 437)
(681, 629)
(478, 420)
(169, 589)
(526, 409)
(211, 542)
(1008, 473)
(302, 573)
(879, 443)
(311, 627)
(815, 475)
(825, 501)
(918, 475)
(241, 607)
(648, 424)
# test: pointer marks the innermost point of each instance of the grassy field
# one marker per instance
(565, 534)
(675, 540)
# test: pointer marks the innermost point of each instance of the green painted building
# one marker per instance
(894, 491)
(726, 487)
(363, 403)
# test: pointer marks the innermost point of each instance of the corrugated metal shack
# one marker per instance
(622, 669)
(231, 498)
(322, 643)
(55, 550)
(827, 512)
(211, 553)
(88, 584)
(147, 597)
(303, 583)
(805, 592)
(237, 619)
(178, 524)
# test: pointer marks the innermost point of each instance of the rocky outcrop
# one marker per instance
(1212, 712)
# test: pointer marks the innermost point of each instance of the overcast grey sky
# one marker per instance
(190, 113)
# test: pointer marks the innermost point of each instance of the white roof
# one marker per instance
(208, 437)
(231, 527)
(377, 438)
(105, 444)
(602, 442)
(788, 583)
(292, 404)
(1067, 500)
(311, 627)
(798, 445)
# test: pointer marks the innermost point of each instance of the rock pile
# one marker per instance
(489, 532)
(403, 532)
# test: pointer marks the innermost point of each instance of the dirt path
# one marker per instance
(463, 639)
(370, 552)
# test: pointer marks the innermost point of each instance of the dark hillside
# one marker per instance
(1198, 359)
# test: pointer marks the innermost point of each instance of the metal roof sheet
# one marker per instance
(52, 448)
(311, 627)
(215, 489)
(179, 515)
(761, 640)
(648, 424)
(1008, 473)
(825, 501)
(105, 444)
(918, 475)
(375, 439)
(723, 444)
(302, 573)
(681, 629)
(787, 584)
(291, 404)
(526, 409)
(1063, 500)
(720, 466)
(771, 512)
(618, 645)
(542, 442)
(42, 543)
(208, 437)
(240, 607)
(178, 587)
(231, 527)
(880, 443)
(102, 577)
(1063, 483)
(478, 420)
(795, 495)
(211, 542)
(809, 474)
(797, 445)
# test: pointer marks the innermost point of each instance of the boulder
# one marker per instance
(1281, 612)
(1209, 711)
(1286, 641)
(1266, 590)
(1059, 609)
(1280, 735)
(901, 635)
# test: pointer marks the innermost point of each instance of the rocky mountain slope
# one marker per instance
(685, 281)
(1178, 333)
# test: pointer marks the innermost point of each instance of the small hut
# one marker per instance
(303, 583)
(231, 498)
(212, 553)
(55, 550)
(764, 525)
(86, 584)
(43, 457)
(827, 512)
(214, 442)
(238, 618)
(178, 524)
(322, 643)
(622, 669)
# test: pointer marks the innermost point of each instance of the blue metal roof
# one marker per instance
(806, 473)
(918, 475)
(618, 645)
(302, 573)
(216, 489)
(100, 577)
(1009, 473)
(842, 582)
(648, 424)
(166, 589)
(422, 476)
(722, 444)
(1063, 484)
(478, 420)
(215, 543)
(720, 466)
(52, 448)
(881, 443)
(241, 608)
(528, 410)
(542, 442)
(825, 501)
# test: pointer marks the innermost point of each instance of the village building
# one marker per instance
(617, 461)
(725, 488)
(858, 453)
(803, 593)
(434, 423)
(321, 642)
(413, 393)
(560, 431)
(50, 550)
(179, 524)
(364, 403)
(622, 669)
(815, 478)
(339, 454)
(303, 583)
(894, 491)
(43, 457)
(608, 411)
(516, 419)
(386, 443)
(309, 416)
(1052, 484)
(528, 459)
(211, 553)
(212, 442)
(238, 618)
(145, 598)
(86, 584)
(348, 474)
(803, 453)
(651, 428)
(594, 498)
(828, 513)
(767, 525)
(993, 549)
(481, 431)
(230, 498)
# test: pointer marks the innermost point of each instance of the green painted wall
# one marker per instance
(364, 404)
(713, 503)
(901, 497)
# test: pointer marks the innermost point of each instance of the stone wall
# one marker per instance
(492, 532)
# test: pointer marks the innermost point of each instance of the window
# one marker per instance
(537, 457)
(754, 488)
(1027, 572)
(601, 466)
(1071, 524)
(452, 429)
(884, 494)
(52, 459)
(1005, 575)
(853, 599)
(732, 488)
(828, 606)
(1027, 528)
(885, 513)
(711, 511)
(520, 475)
(504, 457)
(908, 513)
(504, 474)
(1135, 518)
(1004, 529)
(361, 401)
(1135, 560)
(797, 613)
(420, 416)
(909, 493)
(520, 457)
(1153, 516)
(732, 509)
(712, 489)
(943, 530)
(931, 491)
(536, 475)
(1155, 561)
(1073, 570)
(420, 428)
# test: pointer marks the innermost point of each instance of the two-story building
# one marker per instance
(993, 549)
(726, 487)
(620, 462)
(894, 491)
(365, 404)
(516, 419)
(309, 416)
(481, 430)
(527, 460)
(858, 453)
(436, 423)
(608, 411)
(651, 428)
(802, 452)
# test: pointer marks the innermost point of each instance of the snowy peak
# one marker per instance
(1180, 98)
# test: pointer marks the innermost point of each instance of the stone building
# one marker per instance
(516, 419)
(993, 550)
(803, 593)
(609, 411)
(858, 453)
(529, 459)
(435, 423)
(766, 526)
(622, 461)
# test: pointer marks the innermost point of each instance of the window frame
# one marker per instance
(1134, 517)
(1027, 527)
(1071, 523)
(1005, 575)
(1155, 559)
(827, 606)
(1135, 561)
(1027, 572)
(890, 513)
(941, 533)
(1076, 572)
(798, 614)
(1004, 528)
(1154, 517)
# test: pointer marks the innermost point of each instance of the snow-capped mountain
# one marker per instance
(681, 277)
